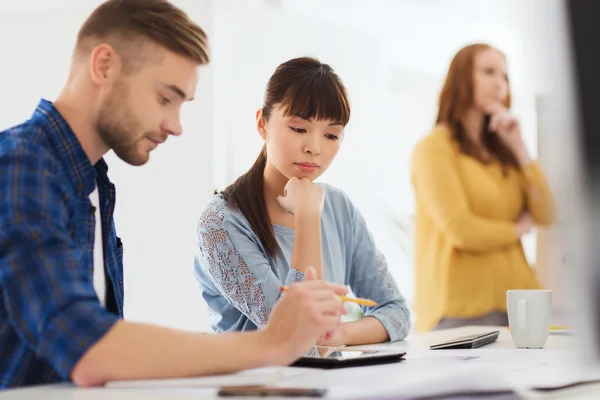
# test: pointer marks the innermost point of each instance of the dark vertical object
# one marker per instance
(584, 29)
(585, 40)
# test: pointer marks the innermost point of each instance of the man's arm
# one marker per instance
(140, 351)
(137, 351)
(48, 293)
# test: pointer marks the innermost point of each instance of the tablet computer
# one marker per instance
(350, 358)
(468, 342)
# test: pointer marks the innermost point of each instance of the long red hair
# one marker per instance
(457, 97)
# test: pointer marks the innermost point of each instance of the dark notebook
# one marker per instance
(468, 342)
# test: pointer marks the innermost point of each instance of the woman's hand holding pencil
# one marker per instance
(363, 302)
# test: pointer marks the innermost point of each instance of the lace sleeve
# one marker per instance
(394, 315)
(371, 278)
(229, 252)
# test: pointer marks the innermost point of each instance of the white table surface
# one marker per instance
(417, 345)
(424, 340)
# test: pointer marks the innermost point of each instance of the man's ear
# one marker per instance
(260, 124)
(104, 64)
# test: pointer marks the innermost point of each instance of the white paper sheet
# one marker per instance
(457, 379)
(261, 376)
(437, 372)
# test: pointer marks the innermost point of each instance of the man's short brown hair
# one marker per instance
(125, 24)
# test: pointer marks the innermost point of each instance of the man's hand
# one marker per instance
(305, 312)
(334, 338)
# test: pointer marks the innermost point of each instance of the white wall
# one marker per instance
(391, 54)
(548, 43)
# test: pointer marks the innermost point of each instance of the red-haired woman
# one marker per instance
(478, 191)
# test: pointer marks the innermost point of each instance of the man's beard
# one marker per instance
(118, 128)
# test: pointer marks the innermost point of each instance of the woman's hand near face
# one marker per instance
(305, 201)
(507, 127)
(302, 197)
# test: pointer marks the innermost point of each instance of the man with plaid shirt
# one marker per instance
(61, 273)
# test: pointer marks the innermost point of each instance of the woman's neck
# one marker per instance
(472, 123)
(274, 182)
(274, 185)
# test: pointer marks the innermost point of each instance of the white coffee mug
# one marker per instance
(529, 317)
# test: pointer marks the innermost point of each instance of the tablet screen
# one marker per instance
(331, 354)
(336, 357)
(347, 355)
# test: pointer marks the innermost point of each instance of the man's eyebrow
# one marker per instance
(177, 91)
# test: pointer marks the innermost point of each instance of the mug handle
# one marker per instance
(522, 316)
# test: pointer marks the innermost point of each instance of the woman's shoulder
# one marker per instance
(337, 202)
(440, 134)
(334, 193)
(439, 139)
(217, 213)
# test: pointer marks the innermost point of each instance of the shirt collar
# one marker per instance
(81, 172)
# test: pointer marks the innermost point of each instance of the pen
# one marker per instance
(363, 302)
(554, 327)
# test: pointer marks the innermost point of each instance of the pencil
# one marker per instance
(363, 302)
(554, 327)
(559, 327)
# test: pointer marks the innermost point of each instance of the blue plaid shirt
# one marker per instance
(49, 312)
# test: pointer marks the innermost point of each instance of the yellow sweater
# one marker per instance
(467, 250)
